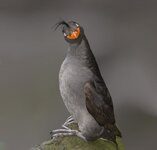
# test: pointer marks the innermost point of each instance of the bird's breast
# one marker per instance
(72, 77)
(74, 74)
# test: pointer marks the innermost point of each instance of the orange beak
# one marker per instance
(74, 34)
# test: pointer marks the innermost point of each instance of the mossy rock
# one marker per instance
(76, 143)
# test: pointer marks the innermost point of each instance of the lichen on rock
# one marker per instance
(76, 143)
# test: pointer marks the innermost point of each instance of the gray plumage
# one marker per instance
(84, 92)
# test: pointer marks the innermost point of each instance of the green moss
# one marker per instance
(75, 143)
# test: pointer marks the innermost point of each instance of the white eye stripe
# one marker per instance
(65, 34)
(77, 25)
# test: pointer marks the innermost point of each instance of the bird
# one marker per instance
(83, 90)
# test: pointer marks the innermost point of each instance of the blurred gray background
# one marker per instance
(123, 37)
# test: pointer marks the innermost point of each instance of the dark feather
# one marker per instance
(99, 104)
(62, 22)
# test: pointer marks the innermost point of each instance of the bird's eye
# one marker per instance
(75, 34)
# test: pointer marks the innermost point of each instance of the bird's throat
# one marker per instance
(80, 49)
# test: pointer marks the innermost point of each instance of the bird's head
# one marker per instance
(72, 31)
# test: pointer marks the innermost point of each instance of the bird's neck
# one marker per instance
(80, 50)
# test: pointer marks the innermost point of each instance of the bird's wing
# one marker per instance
(99, 103)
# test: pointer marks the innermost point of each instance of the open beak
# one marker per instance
(74, 34)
